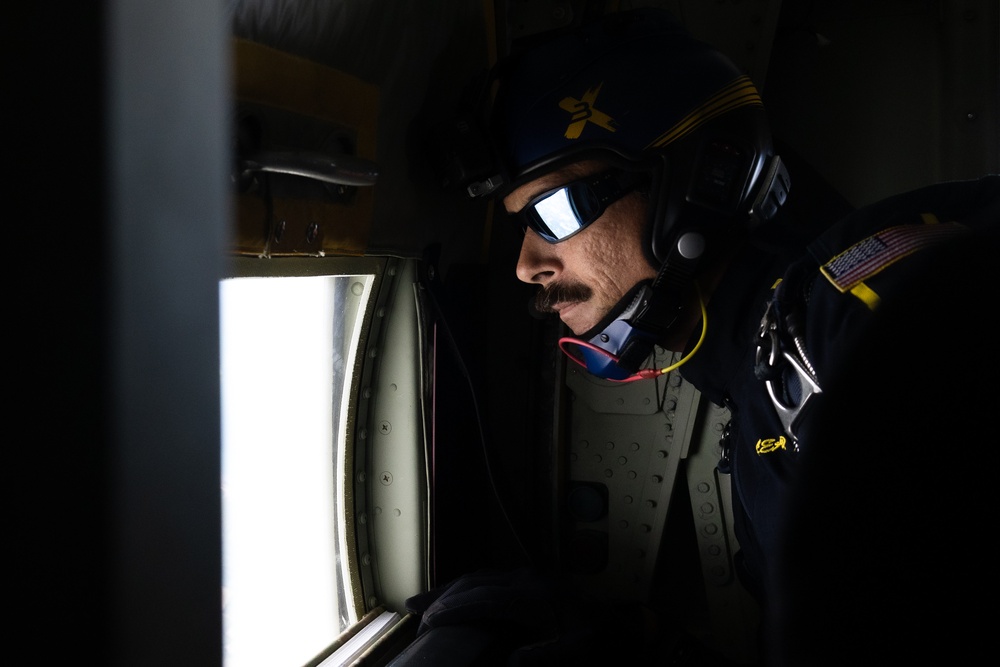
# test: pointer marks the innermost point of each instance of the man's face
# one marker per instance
(582, 277)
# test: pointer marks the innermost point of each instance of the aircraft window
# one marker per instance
(288, 348)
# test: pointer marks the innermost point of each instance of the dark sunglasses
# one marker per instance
(560, 213)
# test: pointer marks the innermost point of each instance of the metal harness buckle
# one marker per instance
(770, 370)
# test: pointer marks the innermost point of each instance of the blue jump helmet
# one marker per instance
(635, 90)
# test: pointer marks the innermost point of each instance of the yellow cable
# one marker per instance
(701, 339)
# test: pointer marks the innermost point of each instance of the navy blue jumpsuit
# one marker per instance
(834, 287)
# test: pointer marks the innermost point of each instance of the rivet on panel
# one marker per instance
(357, 289)
(312, 232)
(704, 487)
(707, 508)
(609, 473)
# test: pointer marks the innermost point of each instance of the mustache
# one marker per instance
(550, 295)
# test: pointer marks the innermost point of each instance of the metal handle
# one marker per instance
(337, 170)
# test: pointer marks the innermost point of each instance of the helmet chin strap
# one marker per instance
(616, 347)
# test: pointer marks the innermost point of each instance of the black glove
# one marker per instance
(537, 619)
(521, 599)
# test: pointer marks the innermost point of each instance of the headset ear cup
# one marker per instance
(666, 205)
(717, 181)
(661, 215)
(720, 176)
(773, 192)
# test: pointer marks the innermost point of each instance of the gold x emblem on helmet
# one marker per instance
(583, 112)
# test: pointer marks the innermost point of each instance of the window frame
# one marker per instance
(387, 525)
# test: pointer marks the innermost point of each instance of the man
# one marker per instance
(656, 211)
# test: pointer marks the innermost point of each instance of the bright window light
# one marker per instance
(287, 354)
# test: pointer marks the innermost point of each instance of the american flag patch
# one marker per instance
(868, 257)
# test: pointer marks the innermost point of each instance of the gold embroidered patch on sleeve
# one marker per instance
(768, 445)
